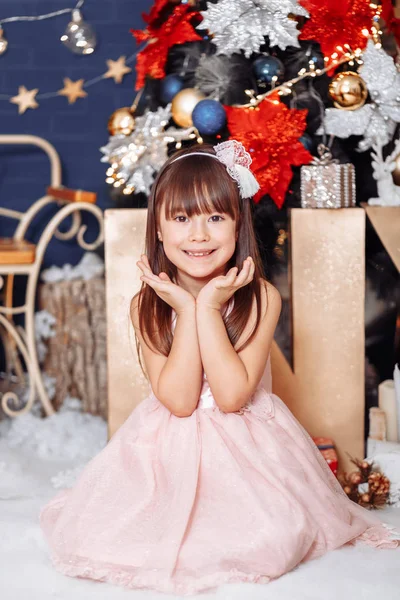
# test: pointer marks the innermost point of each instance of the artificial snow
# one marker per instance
(40, 456)
(90, 266)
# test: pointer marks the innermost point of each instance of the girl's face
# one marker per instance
(199, 246)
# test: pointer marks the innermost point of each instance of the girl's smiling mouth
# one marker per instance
(199, 253)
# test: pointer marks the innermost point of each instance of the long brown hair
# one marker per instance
(197, 185)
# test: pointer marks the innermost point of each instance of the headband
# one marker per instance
(237, 161)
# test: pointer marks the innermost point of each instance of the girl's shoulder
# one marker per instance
(270, 297)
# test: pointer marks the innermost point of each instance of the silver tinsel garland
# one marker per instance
(375, 121)
(137, 157)
(242, 24)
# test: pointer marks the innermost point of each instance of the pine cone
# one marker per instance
(355, 477)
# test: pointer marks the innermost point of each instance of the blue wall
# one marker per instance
(37, 59)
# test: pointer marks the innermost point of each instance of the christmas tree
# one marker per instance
(296, 81)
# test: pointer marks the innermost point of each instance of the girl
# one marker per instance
(211, 479)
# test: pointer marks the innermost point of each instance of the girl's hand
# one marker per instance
(178, 298)
(218, 291)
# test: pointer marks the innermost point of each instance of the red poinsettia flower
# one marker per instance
(335, 23)
(392, 22)
(177, 29)
(155, 11)
(270, 133)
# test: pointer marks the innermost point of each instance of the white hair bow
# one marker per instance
(237, 161)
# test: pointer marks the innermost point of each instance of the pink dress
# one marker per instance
(181, 505)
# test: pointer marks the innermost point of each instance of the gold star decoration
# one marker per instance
(25, 99)
(72, 90)
(117, 69)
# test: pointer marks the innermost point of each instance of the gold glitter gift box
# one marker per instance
(327, 184)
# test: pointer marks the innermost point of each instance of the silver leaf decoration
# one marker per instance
(141, 154)
(242, 24)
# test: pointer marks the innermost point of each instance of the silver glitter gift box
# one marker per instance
(327, 184)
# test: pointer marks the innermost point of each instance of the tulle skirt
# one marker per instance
(182, 505)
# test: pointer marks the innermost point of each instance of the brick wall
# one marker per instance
(37, 59)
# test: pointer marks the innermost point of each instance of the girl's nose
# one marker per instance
(199, 232)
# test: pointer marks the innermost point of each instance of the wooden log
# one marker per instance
(77, 353)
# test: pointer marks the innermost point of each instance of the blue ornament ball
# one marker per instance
(170, 86)
(265, 68)
(209, 117)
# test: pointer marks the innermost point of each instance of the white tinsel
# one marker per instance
(44, 322)
(375, 121)
(172, 134)
(242, 24)
(388, 192)
(90, 266)
(142, 153)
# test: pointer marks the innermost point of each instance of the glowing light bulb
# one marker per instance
(79, 36)
(3, 41)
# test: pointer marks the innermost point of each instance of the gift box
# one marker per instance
(327, 184)
(327, 449)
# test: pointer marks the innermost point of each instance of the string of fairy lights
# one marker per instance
(80, 38)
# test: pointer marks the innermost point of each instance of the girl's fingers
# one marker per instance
(232, 273)
(145, 261)
(164, 276)
(144, 265)
(251, 272)
(145, 269)
(153, 282)
(228, 279)
(251, 268)
(244, 273)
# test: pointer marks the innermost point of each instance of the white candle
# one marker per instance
(387, 402)
(377, 424)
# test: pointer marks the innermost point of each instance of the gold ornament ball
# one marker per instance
(183, 105)
(348, 90)
(121, 121)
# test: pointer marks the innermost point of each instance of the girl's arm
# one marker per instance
(176, 380)
(233, 376)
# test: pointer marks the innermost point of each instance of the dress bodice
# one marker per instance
(206, 398)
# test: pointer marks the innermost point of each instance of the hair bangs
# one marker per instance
(196, 185)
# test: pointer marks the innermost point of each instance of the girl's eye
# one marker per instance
(182, 218)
